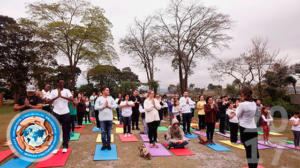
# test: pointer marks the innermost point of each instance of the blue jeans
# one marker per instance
(175, 145)
(92, 109)
(145, 126)
(120, 116)
(105, 131)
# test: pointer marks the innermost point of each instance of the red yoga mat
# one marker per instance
(77, 128)
(119, 125)
(180, 152)
(132, 138)
(57, 160)
(4, 154)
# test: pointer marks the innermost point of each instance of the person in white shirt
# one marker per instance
(60, 98)
(248, 130)
(126, 107)
(233, 122)
(151, 107)
(105, 104)
(118, 100)
(46, 95)
(186, 103)
(295, 122)
(93, 98)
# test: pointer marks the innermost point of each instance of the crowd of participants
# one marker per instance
(242, 115)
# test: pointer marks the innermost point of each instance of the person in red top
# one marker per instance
(211, 111)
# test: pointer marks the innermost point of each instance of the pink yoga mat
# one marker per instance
(4, 154)
(273, 145)
(57, 160)
(132, 138)
(224, 135)
(77, 128)
(291, 146)
(160, 151)
(200, 133)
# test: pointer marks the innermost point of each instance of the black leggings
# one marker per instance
(296, 138)
(186, 119)
(234, 127)
(126, 125)
(80, 117)
(97, 119)
(135, 118)
(87, 116)
(249, 140)
(178, 118)
(210, 129)
(152, 126)
(73, 117)
(201, 124)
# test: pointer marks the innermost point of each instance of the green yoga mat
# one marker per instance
(75, 137)
(260, 133)
(162, 128)
(217, 130)
(88, 123)
(290, 142)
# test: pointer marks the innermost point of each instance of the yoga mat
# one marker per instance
(200, 133)
(217, 130)
(194, 126)
(119, 125)
(88, 123)
(99, 139)
(106, 154)
(5, 154)
(291, 146)
(145, 138)
(275, 134)
(194, 121)
(191, 136)
(75, 137)
(119, 130)
(16, 163)
(116, 122)
(56, 160)
(79, 129)
(290, 142)
(160, 151)
(260, 133)
(95, 129)
(163, 121)
(219, 148)
(273, 145)
(192, 129)
(162, 128)
(130, 138)
(181, 151)
(259, 146)
(224, 135)
(227, 142)
(93, 119)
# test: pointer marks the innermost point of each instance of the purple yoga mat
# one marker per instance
(160, 151)
(260, 147)
(273, 145)
(291, 146)
(200, 133)
(224, 135)
(145, 138)
(163, 121)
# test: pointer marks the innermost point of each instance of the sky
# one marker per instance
(275, 20)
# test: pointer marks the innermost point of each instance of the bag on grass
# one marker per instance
(144, 152)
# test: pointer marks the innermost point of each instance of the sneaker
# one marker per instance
(103, 147)
(269, 143)
(65, 150)
(266, 143)
(125, 135)
(72, 133)
(128, 135)
(55, 151)
(108, 147)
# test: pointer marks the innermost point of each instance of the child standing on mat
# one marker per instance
(152, 106)
(233, 123)
(126, 107)
(105, 104)
(295, 122)
(211, 111)
(176, 111)
(266, 123)
(87, 111)
(73, 113)
(175, 136)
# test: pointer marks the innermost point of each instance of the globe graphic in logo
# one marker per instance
(34, 135)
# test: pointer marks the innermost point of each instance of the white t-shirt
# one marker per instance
(46, 95)
(127, 110)
(186, 108)
(295, 128)
(246, 114)
(234, 119)
(60, 105)
(175, 110)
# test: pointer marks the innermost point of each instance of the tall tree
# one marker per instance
(142, 44)
(20, 54)
(189, 31)
(77, 29)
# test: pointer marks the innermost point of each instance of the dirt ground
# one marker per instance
(83, 151)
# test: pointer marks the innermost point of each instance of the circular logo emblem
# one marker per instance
(34, 134)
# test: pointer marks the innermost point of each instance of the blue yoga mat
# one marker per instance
(219, 148)
(95, 129)
(16, 163)
(190, 135)
(106, 154)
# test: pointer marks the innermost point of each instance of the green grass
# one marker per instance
(7, 108)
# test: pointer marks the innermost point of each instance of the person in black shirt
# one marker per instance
(223, 105)
(135, 109)
(30, 101)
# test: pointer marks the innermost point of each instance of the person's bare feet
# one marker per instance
(151, 145)
(298, 147)
(156, 146)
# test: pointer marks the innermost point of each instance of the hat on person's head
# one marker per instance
(30, 88)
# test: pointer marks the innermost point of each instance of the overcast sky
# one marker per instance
(276, 20)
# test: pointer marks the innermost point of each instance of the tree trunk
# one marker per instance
(181, 82)
(73, 73)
